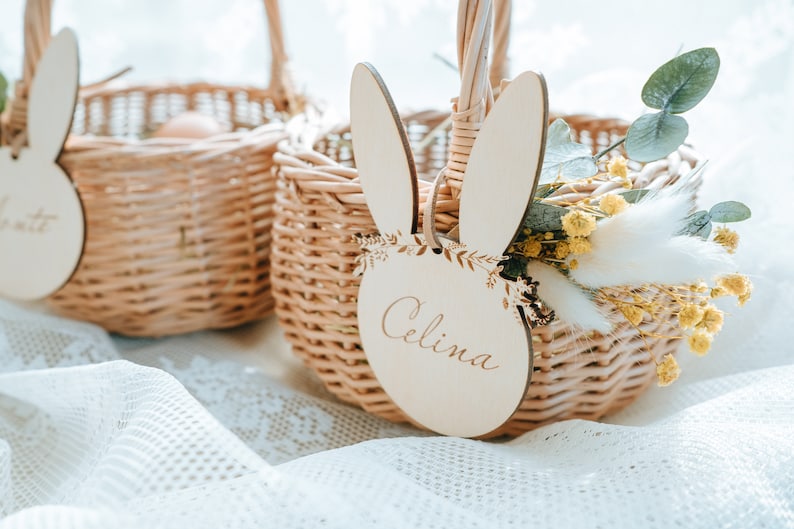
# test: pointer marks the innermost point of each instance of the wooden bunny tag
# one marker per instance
(41, 218)
(445, 334)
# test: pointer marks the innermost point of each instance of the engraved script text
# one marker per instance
(36, 223)
(395, 325)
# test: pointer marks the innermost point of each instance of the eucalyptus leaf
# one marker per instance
(730, 211)
(3, 92)
(698, 224)
(564, 157)
(559, 132)
(570, 160)
(681, 83)
(544, 217)
(635, 195)
(654, 136)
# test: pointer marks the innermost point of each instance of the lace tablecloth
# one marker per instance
(227, 429)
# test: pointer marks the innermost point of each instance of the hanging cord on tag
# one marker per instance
(463, 137)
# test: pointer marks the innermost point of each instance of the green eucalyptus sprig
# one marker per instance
(698, 224)
(675, 87)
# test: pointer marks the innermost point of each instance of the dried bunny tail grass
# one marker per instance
(570, 303)
(639, 246)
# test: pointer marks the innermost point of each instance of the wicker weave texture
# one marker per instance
(320, 207)
(177, 231)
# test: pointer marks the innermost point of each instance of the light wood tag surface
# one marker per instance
(442, 331)
(448, 350)
(42, 226)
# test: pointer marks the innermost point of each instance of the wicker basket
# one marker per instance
(320, 207)
(177, 231)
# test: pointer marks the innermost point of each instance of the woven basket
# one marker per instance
(177, 231)
(320, 207)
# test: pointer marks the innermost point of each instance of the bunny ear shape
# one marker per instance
(504, 166)
(53, 95)
(383, 154)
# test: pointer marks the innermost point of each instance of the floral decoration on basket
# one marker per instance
(633, 253)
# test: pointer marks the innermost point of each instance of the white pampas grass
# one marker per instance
(639, 246)
(570, 303)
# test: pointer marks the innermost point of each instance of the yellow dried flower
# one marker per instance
(744, 298)
(712, 319)
(734, 284)
(689, 316)
(548, 236)
(562, 250)
(700, 342)
(667, 371)
(632, 313)
(612, 204)
(573, 265)
(618, 167)
(578, 223)
(727, 238)
(699, 287)
(531, 248)
(579, 245)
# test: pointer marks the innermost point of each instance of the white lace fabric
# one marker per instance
(227, 429)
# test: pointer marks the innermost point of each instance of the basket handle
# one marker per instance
(37, 35)
(281, 82)
(500, 62)
(475, 27)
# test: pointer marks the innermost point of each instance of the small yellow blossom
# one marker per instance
(618, 167)
(735, 284)
(712, 319)
(727, 238)
(612, 204)
(548, 236)
(627, 183)
(562, 250)
(700, 287)
(667, 371)
(573, 264)
(579, 245)
(531, 248)
(689, 316)
(700, 342)
(578, 223)
(632, 313)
